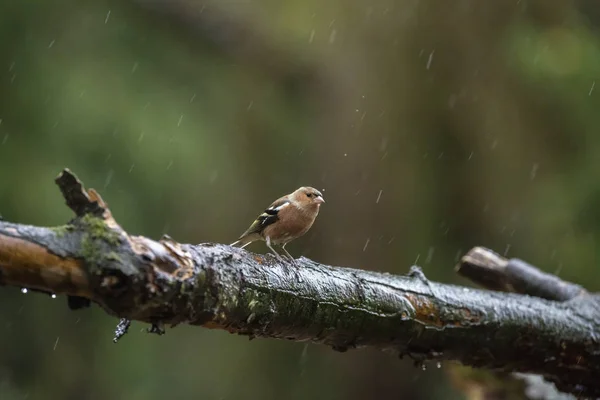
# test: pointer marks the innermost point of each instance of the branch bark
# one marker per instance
(217, 286)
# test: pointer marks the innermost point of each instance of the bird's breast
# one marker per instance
(290, 228)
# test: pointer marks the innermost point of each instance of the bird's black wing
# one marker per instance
(268, 217)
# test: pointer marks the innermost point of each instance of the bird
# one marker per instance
(286, 219)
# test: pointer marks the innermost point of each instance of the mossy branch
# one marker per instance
(217, 286)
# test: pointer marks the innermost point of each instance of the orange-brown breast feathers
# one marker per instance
(293, 222)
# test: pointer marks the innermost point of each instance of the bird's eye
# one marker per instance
(309, 194)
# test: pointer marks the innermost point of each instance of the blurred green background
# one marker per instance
(431, 127)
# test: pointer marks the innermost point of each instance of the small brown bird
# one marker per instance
(286, 219)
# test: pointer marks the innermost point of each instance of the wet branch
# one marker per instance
(216, 286)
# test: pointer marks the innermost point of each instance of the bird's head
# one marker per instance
(307, 196)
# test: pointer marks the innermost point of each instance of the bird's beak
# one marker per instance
(319, 200)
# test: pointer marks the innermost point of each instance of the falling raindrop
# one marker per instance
(430, 59)
(429, 255)
(107, 17)
(366, 244)
(109, 177)
(439, 364)
(53, 296)
(423, 367)
(332, 36)
(534, 170)
(24, 290)
(56, 342)
(213, 176)
(379, 196)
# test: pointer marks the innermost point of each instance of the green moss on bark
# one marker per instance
(98, 238)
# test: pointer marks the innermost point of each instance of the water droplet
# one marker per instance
(332, 36)
(53, 296)
(439, 364)
(534, 170)
(213, 176)
(430, 59)
(423, 367)
(24, 290)
(429, 255)
(107, 17)
(366, 244)
(108, 179)
(379, 196)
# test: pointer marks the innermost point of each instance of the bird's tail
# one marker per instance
(243, 241)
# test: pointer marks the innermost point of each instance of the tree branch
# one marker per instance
(494, 272)
(217, 286)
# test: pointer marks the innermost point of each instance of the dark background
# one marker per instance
(430, 126)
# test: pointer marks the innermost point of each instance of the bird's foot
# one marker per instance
(293, 261)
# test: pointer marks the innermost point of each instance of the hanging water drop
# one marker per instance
(24, 290)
